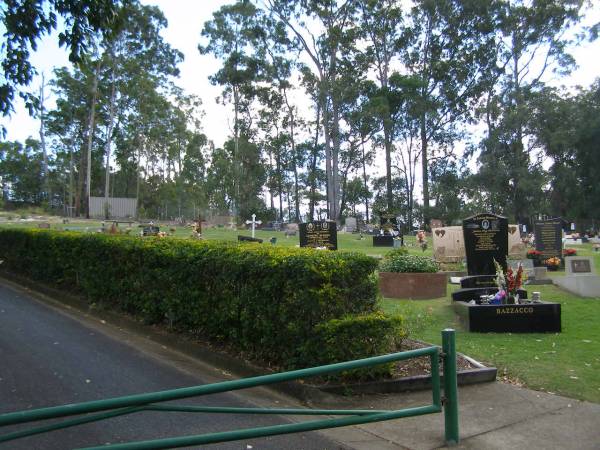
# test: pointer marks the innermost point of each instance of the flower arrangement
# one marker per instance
(552, 263)
(508, 282)
(569, 252)
(533, 254)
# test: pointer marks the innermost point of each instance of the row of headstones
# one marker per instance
(449, 243)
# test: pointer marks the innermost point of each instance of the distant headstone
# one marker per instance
(44, 225)
(548, 237)
(580, 277)
(448, 244)
(351, 224)
(383, 241)
(516, 247)
(319, 234)
(241, 238)
(486, 240)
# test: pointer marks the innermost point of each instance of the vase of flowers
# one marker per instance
(509, 282)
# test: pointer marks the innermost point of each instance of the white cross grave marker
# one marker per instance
(254, 222)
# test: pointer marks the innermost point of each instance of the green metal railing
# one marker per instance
(119, 406)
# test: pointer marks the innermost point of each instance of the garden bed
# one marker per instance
(415, 374)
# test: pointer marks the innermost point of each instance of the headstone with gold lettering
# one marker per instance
(486, 240)
(319, 234)
(548, 237)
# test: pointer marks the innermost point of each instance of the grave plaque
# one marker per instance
(319, 234)
(579, 265)
(486, 240)
(548, 238)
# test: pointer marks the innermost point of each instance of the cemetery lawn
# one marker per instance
(566, 363)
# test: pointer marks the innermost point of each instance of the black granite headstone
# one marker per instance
(548, 237)
(318, 234)
(383, 241)
(486, 240)
(527, 318)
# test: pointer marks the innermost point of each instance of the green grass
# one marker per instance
(566, 363)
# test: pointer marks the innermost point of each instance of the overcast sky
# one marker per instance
(186, 18)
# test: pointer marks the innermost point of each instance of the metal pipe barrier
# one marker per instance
(119, 406)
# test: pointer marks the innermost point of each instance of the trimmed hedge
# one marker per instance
(268, 301)
(368, 335)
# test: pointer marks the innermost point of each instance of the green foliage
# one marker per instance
(342, 339)
(400, 261)
(262, 300)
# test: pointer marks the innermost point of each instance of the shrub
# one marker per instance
(263, 300)
(399, 262)
(342, 339)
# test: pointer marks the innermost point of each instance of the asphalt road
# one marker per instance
(47, 358)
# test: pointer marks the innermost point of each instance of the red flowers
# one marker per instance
(569, 252)
(533, 254)
(514, 281)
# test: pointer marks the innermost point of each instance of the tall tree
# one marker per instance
(449, 46)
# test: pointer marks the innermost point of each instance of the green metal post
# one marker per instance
(450, 387)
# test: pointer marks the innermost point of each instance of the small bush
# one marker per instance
(398, 262)
(356, 337)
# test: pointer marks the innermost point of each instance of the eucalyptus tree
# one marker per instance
(380, 23)
(533, 38)
(334, 33)
(450, 47)
(26, 22)
(231, 36)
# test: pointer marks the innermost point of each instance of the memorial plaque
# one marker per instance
(580, 265)
(319, 234)
(548, 237)
(486, 240)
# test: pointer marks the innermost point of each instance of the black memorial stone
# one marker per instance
(249, 239)
(468, 294)
(477, 281)
(548, 237)
(524, 318)
(318, 234)
(486, 240)
(383, 241)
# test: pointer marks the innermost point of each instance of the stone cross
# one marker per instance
(254, 222)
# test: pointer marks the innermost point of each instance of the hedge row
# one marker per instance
(277, 304)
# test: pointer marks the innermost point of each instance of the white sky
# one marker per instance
(186, 19)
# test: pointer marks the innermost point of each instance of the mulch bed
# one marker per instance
(422, 365)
